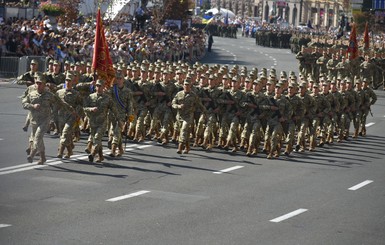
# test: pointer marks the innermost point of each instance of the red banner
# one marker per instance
(352, 47)
(102, 62)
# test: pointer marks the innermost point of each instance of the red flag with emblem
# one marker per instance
(366, 36)
(102, 62)
(352, 48)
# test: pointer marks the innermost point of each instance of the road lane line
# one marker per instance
(289, 215)
(4, 225)
(143, 146)
(135, 194)
(1, 139)
(369, 124)
(360, 185)
(228, 170)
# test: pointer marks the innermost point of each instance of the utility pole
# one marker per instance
(300, 10)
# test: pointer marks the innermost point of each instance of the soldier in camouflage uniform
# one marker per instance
(67, 119)
(97, 106)
(258, 105)
(124, 104)
(186, 103)
(39, 102)
(309, 111)
(366, 104)
(294, 122)
(281, 112)
(28, 79)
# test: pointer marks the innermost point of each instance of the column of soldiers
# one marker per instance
(332, 63)
(273, 38)
(222, 30)
(229, 108)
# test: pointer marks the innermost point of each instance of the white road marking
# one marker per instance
(135, 194)
(1, 139)
(4, 225)
(53, 162)
(360, 185)
(20, 96)
(369, 124)
(228, 170)
(289, 215)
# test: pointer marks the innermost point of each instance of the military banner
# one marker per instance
(102, 62)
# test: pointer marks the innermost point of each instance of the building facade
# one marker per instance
(322, 13)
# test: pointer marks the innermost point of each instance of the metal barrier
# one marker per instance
(15, 66)
(9, 67)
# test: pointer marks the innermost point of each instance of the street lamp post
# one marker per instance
(300, 11)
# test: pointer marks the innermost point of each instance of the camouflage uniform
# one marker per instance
(186, 103)
(67, 119)
(39, 102)
(97, 106)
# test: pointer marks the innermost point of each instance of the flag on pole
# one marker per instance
(227, 18)
(366, 36)
(207, 21)
(102, 62)
(352, 48)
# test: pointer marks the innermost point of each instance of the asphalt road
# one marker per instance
(152, 195)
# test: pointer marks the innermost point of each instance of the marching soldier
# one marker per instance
(96, 106)
(186, 103)
(39, 102)
(67, 119)
(124, 104)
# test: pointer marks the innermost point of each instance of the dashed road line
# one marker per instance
(228, 170)
(4, 225)
(1, 139)
(135, 194)
(289, 215)
(360, 185)
(369, 124)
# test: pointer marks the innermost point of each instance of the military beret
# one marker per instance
(303, 85)
(280, 84)
(293, 85)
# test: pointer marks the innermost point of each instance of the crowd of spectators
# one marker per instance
(74, 42)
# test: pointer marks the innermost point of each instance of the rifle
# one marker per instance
(277, 113)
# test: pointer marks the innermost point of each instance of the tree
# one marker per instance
(176, 10)
(71, 11)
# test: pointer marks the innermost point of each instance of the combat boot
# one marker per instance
(61, 150)
(113, 149)
(289, 149)
(180, 148)
(109, 142)
(31, 155)
(42, 158)
(265, 147)
(363, 131)
(187, 148)
(89, 147)
(249, 151)
(28, 150)
(196, 142)
(270, 155)
(100, 155)
(120, 150)
(355, 134)
(204, 143)
(174, 136)
(94, 151)
(321, 142)
(69, 151)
